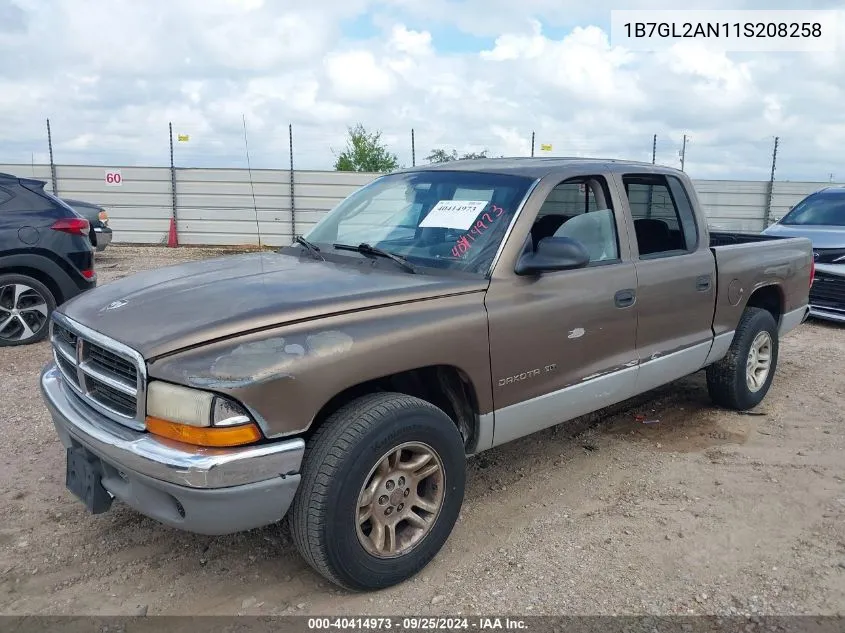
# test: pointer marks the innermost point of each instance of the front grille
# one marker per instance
(111, 397)
(105, 374)
(829, 255)
(65, 335)
(828, 291)
(106, 360)
(68, 369)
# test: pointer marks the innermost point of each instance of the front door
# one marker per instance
(676, 279)
(562, 344)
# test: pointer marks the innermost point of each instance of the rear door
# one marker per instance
(676, 274)
(562, 343)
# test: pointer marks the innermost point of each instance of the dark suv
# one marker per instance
(46, 258)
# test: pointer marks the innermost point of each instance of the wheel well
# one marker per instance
(768, 298)
(40, 275)
(444, 386)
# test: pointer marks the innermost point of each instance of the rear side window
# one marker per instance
(664, 221)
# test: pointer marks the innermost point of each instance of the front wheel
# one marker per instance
(25, 308)
(382, 485)
(742, 378)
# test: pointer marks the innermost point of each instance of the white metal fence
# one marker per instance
(217, 207)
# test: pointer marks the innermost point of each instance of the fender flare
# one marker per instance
(44, 265)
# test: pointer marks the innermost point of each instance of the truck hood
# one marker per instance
(820, 236)
(163, 310)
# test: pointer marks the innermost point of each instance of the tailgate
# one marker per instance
(745, 263)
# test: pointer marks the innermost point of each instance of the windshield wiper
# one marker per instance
(369, 249)
(313, 249)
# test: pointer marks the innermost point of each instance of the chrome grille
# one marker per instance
(828, 291)
(109, 362)
(106, 375)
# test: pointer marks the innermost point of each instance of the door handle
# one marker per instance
(702, 284)
(625, 298)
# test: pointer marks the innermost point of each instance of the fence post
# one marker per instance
(532, 144)
(768, 218)
(654, 149)
(52, 164)
(292, 194)
(413, 150)
(172, 234)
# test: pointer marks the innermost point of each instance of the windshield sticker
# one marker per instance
(454, 214)
(464, 243)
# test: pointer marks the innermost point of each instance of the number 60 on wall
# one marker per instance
(113, 177)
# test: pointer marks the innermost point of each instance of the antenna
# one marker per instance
(251, 186)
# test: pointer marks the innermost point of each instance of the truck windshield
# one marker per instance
(439, 219)
(820, 209)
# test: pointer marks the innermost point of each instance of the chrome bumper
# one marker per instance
(157, 458)
(838, 316)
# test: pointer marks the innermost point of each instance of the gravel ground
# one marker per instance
(705, 511)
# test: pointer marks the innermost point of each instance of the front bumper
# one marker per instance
(202, 490)
(104, 237)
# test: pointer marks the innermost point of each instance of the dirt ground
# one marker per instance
(703, 511)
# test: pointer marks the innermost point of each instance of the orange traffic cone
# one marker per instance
(172, 237)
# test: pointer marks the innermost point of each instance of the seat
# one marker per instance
(546, 227)
(594, 230)
(652, 236)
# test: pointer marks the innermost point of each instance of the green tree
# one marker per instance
(365, 151)
(442, 156)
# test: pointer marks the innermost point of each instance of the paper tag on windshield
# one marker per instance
(454, 214)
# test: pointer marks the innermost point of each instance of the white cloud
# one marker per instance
(357, 76)
(111, 74)
(411, 42)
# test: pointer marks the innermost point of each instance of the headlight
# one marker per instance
(197, 417)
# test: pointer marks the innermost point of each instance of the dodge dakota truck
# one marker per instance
(343, 380)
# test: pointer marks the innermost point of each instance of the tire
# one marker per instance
(727, 379)
(340, 458)
(26, 305)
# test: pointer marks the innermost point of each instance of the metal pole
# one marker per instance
(52, 164)
(532, 144)
(172, 238)
(654, 149)
(683, 152)
(292, 196)
(413, 150)
(768, 218)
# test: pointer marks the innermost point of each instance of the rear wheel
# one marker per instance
(25, 308)
(743, 377)
(382, 485)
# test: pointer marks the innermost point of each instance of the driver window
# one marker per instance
(580, 209)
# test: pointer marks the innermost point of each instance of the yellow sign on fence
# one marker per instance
(546, 147)
(183, 138)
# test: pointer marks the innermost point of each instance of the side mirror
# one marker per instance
(552, 254)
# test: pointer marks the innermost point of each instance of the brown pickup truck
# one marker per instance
(434, 314)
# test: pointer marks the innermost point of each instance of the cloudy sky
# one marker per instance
(469, 75)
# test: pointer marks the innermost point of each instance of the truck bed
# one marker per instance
(726, 238)
(748, 261)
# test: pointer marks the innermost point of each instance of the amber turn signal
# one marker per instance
(205, 435)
